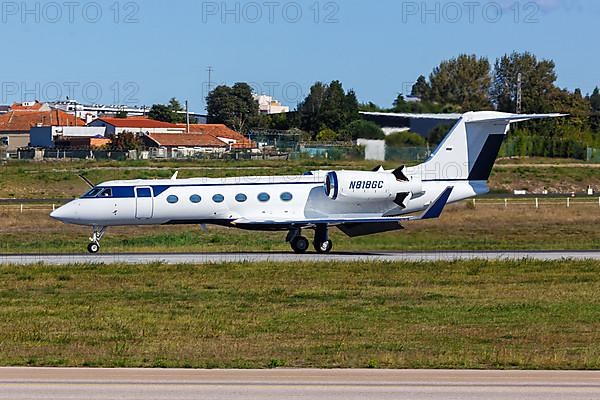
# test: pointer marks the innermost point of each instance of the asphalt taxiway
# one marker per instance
(134, 384)
(217, 258)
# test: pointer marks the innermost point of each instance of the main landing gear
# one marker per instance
(97, 235)
(300, 244)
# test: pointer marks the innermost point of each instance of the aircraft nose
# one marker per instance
(62, 213)
(58, 214)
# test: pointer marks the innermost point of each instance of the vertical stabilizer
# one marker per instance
(471, 148)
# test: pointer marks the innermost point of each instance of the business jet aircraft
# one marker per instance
(357, 202)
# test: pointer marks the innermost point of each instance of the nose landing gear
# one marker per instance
(97, 235)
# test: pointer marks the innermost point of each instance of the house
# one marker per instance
(136, 125)
(183, 145)
(235, 140)
(48, 136)
(267, 105)
(16, 124)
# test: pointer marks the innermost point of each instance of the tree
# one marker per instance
(421, 89)
(361, 129)
(405, 139)
(171, 112)
(369, 107)
(126, 141)
(160, 112)
(233, 106)
(438, 133)
(464, 81)
(595, 100)
(121, 114)
(328, 106)
(537, 82)
(327, 135)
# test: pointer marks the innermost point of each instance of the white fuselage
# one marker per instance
(224, 201)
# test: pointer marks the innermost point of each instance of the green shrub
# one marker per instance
(405, 139)
(362, 129)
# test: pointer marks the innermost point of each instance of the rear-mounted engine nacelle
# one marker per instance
(358, 185)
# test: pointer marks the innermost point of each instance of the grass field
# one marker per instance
(487, 227)
(58, 179)
(438, 315)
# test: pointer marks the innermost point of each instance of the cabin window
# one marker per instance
(264, 197)
(218, 198)
(241, 198)
(195, 199)
(172, 199)
(286, 196)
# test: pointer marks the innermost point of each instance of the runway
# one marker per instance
(218, 258)
(132, 384)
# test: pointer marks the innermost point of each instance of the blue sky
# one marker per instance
(149, 51)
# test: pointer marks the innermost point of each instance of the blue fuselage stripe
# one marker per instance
(127, 192)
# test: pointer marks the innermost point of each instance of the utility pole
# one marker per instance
(210, 71)
(519, 93)
(187, 117)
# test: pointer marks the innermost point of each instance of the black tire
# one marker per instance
(324, 247)
(300, 245)
(93, 248)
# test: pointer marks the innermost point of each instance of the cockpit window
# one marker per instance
(92, 193)
(98, 193)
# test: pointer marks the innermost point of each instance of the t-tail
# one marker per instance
(470, 149)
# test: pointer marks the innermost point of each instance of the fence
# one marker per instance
(540, 146)
(52, 154)
(407, 154)
(537, 202)
(330, 152)
(593, 155)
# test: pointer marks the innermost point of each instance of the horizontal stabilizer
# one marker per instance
(508, 118)
(437, 207)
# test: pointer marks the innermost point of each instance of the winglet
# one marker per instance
(437, 207)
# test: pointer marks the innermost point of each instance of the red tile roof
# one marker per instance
(23, 121)
(133, 122)
(185, 140)
(222, 131)
(20, 107)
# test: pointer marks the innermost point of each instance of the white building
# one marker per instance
(267, 105)
(91, 112)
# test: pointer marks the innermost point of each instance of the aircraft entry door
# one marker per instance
(144, 203)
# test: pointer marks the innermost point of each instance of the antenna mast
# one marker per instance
(519, 93)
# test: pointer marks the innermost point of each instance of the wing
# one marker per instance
(432, 212)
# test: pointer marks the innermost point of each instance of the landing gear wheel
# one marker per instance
(93, 248)
(300, 244)
(324, 247)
